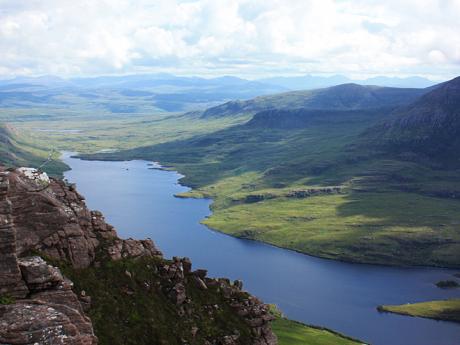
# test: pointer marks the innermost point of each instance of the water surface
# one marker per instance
(139, 202)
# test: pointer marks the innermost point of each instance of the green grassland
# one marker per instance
(82, 130)
(440, 310)
(96, 118)
(17, 150)
(296, 333)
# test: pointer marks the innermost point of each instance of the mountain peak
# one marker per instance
(430, 126)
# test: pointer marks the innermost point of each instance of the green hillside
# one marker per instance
(296, 333)
(16, 151)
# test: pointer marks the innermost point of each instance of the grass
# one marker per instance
(17, 150)
(116, 132)
(5, 299)
(368, 227)
(134, 309)
(448, 310)
(295, 333)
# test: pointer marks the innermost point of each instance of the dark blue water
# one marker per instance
(139, 202)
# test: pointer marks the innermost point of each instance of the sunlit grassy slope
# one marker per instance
(440, 310)
(16, 150)
(294, 333)
(91, 131)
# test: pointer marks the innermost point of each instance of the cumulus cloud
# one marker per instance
(250, 38)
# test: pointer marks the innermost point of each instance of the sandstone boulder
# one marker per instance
(38, 275)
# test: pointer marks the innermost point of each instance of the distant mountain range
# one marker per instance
(140, 81)
(305, 82)
(308, 82)
(168, 92)
(117, 94)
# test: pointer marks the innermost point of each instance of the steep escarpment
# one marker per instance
(293, 119)
(429, 127)
(120, 292)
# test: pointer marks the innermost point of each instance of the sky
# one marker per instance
(246, 38)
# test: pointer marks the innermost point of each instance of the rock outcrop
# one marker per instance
(46, 218)
(51, 313)
(52, 218)
(38, 304)
(255, 313)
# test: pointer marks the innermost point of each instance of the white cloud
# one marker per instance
(244, 37)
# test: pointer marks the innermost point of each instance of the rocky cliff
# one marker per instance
(125, 292)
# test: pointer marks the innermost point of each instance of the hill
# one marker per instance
(308, 82)
(430, 126)
(15, 151)
(302, 118)
(340, 97)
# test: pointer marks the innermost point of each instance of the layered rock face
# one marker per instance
(47, 217)
(50, 313)
(53, 219)
(46, 310)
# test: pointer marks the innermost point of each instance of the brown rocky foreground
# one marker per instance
(46, 218)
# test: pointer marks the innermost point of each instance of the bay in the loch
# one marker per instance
(139, 202)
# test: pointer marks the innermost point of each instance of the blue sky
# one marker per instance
(247, 38)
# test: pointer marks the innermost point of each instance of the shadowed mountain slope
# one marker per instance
(430, 126)
(340, 97)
